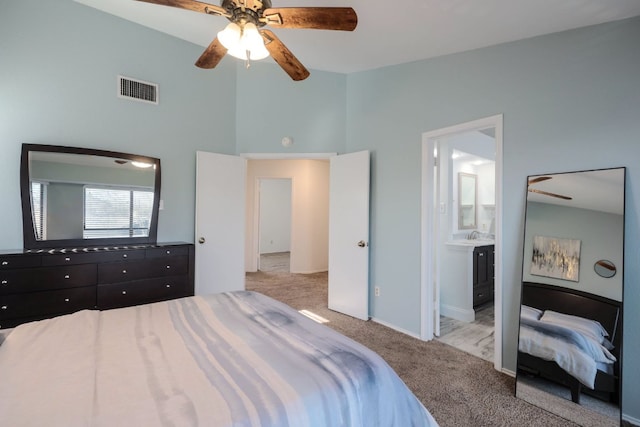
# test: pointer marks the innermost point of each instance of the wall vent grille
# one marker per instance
(137, 90)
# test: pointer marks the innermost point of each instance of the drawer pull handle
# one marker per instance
(5, 262)
(481, 254)
(168, 285)
(66, 276)
(4, 282)
(124, 292)
(480, 295)
(4, 307)
(168, 266)
(67, 300)
(67, 259)
(168, 252)
(124, 271)
(124, 255)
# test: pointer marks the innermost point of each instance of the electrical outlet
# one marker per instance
(376, 291)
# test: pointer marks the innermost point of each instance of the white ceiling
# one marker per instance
(391, 32)
(599, 190)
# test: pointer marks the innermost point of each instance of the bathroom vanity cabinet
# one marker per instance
(483, 274)
(466, 278)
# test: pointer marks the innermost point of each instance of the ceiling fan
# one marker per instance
(242, 39)
(545, 193)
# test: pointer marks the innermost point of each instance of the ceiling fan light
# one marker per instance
(230, 36)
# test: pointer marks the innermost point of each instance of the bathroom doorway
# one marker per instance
(461, 237)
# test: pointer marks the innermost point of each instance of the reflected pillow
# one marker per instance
(530, 313)
(587, 327)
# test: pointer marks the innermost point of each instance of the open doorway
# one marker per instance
(461, 237)
(292, 195)
(274, 224)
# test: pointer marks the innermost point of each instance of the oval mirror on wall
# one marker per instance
(605, 268)
(571, 218)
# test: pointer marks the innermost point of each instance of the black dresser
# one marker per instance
(38, 284)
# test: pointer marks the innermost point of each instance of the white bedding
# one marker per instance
(234, 359)
(577, 354)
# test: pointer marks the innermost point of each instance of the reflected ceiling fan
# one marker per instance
(245, 38)
(544, 193)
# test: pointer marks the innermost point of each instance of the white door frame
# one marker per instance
(428, 241)
(255, 247)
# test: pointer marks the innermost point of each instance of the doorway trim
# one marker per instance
(429, 221)
(254, 244)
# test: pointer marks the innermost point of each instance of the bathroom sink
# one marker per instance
(472, 242)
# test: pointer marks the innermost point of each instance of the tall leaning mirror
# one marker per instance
(570, 336)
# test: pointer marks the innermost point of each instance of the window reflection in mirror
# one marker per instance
(80, 197)
(467, 201)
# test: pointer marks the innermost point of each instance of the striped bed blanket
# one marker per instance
(577, 354)
(232, 359)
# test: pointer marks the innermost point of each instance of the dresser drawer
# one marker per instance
(43, 278)
(482, 294)
(141, 291)
(19, 261)
(167, 251)
(47, 302)
(82, 257)
(115, 272)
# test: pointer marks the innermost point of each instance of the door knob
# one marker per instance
(201, 240)
(362, 243)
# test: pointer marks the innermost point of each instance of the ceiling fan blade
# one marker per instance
(539, 179)
(212, 55)
(546, 193)
(317, 18)
(196, 6)
(284, 57)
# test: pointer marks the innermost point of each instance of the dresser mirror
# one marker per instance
(84, 197)
(570, 335)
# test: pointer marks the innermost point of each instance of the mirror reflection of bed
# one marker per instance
(570, 337)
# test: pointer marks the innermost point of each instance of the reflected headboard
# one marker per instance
(577, 303)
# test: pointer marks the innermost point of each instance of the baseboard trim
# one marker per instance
(395, 328)
(321, 270)
(631, 420)
(457, 313)
(508, 372)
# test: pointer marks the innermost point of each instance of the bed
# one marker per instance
(231, 359)
(559, 335)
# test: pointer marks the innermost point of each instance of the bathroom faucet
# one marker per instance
(473, 235)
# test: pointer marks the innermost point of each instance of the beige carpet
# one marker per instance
(457, 388)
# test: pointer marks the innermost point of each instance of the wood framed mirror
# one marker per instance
(570, 335)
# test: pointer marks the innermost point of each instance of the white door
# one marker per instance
(219, 223)
(349, 234)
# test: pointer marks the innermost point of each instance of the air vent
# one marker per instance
(137, 90)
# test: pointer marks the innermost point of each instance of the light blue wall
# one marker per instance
(601, 237)
(571, 101)
(271, 106)
(59, 61)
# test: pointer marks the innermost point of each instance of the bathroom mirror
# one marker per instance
(570, 335)
(467, 201)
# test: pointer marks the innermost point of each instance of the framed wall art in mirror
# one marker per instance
(85, 197)
(570, 335)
